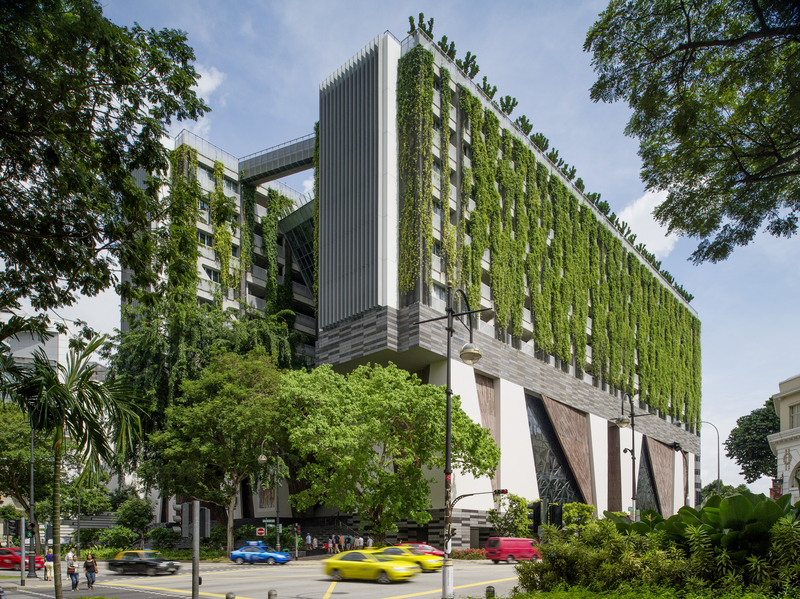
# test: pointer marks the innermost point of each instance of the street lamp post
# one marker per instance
(262, 459)
(469, 355)
(32, 558)
(719, 481)
(622, 422)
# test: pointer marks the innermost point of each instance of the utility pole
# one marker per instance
(195, 549)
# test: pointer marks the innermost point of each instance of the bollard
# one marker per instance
(230, 595)
(489, 592)
(273, 594)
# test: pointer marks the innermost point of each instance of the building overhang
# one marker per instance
(777, 441)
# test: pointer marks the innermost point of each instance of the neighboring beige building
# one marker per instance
(786, 443)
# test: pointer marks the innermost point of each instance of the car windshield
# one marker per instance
(494, 543)
(153, 555)
(383, 558)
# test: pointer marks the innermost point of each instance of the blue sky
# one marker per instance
(262, 63)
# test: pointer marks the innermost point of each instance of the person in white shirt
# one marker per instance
(369, 541)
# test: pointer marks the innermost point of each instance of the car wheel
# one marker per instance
(510, 559)
(151, 571)
(383, 578)
(271, 561)
(496, 561)
(239, 561)
(336, 575)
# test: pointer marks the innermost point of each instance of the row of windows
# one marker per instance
(207, 239)
(794, 414)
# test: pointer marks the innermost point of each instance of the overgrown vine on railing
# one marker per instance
(247, 252)
(415, 132)
(223, 211)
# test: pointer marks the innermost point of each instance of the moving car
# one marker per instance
(10, 558)
(142, 562)
(428, 563)
(255, 552)
(424, 547)
(510, 549)
(369, 566)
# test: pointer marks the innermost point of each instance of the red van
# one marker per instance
(511, 549)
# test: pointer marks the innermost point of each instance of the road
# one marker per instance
(297, 580)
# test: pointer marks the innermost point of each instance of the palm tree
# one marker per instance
(98, 417)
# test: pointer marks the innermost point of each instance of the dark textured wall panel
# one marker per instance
(348, 178)
(573, 433)
(614, 474)
(662, 459)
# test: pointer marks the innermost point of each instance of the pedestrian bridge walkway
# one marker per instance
(280, 161)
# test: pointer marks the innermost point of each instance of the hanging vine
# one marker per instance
(247, 253)
(415, 132)
(223, 212)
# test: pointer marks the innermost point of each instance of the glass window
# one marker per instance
(794, 412)
(212, 274)
(353, 557)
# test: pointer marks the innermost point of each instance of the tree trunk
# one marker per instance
(231, 507)
(57, 517)
(38, 538)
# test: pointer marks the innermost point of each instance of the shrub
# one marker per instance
(164, 537)
(118, 537)
(89, 536)
(469, 554)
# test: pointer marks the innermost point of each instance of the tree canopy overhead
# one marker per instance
(83, 105)
(715, 92)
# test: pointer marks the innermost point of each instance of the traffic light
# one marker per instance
(13, 528)
(181, 518)
(297, 529)
(30, 528)
(498, 492)
(535, 516)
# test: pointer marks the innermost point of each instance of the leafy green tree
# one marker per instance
(15, 465)
(367, 438)
(713, 87)
(98, 418)
(121, 494)
(136, 514)
(213, 434)
(510, 519)
(84, 104)
(156, 357)
(164, 538)
(724, 490)
(747, 444)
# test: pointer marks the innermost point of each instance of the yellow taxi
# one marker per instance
(428, 563)
(367, 565)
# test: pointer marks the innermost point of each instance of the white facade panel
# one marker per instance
(598, 447)
(517, 471)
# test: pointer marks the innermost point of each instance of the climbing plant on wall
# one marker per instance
(277, 204)
(223, 213)
(247, 254)
(415, 135)
(184, 202)
(549, 250)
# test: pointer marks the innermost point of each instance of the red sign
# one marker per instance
(260, 532)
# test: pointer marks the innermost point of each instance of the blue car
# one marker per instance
(255, 552)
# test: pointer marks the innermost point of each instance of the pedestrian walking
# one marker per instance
(308, 539)
(90, 569)
(72, 571)
(314, 543)
(48, 565)
(369, 541)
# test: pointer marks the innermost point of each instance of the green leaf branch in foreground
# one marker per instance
(84, 104)
(370, 438)
(212, 437)
(715, 93)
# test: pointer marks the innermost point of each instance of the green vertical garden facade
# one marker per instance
(593, 301)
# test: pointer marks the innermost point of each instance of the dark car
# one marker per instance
(142, 562)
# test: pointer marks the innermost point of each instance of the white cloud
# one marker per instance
(308, 185)
(210, 79)
(639, 215)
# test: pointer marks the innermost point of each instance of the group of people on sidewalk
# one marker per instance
(337, 543)
(89, 568)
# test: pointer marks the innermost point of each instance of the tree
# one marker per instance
(121, 494)
(157, 357)
(714, 89)
(368, 437)
(510, 519)
(724, 491)
(213, 434)
(15, 456)
(136, 514)
(747, 444)
(84, 104)
(98, 418)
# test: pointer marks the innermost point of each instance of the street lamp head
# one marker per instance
(622, 421)
(677, 423)
(262, 459)
(470, 354)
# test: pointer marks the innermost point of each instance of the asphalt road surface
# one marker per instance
(297, 580)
